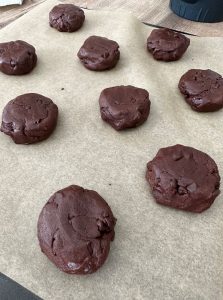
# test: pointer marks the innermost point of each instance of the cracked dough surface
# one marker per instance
(17, 58)
(167, 45)
(66, 17)
(75, 229)
(99, 53)
(202, 89)
(29, 118)
(124, 106)
(184, 178)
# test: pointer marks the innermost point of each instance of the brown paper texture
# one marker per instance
(158, 253)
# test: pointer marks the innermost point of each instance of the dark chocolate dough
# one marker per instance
(184, 178)
(202, 89)
(29, 118)
(124, 106)
(66, 17)
(17, 58)
(75, 229)
(167, 45)
(99, 53)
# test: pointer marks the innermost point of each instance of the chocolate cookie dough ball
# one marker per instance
(75, 229)
(17, 58)
(29, 118)
(99, 53)
(184, 178)
(124, 106)
(167, 45)
(202, 89)
(66, 17)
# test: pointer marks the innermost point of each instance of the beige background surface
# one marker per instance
(158, 253)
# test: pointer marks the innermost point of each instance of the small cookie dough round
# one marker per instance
(124, 106)
(29, 118)
(75, 229)
(99, 53)
(184, 178)
(202, 89)
(66, 17)
(17, 58)
(167, 45)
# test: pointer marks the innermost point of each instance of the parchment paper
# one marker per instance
(158, 253)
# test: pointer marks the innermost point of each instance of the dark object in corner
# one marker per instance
(11, 290)
(208, 11)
